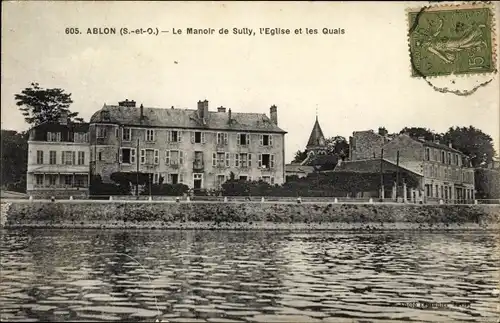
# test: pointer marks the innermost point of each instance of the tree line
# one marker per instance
(39, 105)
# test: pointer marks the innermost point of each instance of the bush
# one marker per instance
(166, 189)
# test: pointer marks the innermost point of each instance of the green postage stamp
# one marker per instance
(452, 39)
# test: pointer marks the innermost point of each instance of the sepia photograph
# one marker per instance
(250, 162)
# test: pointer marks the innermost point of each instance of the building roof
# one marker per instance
(370, 166)
(440, 146)
(316, 138)
(185, 119)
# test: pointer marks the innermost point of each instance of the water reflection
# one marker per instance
(247, 276)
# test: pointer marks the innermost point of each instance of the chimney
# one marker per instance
(63, 118)
(142, 110)
(200, 109)
(127, 103)
(205, 110)
(229, 116)
(274, 114)
(450, 145)
(221, 109)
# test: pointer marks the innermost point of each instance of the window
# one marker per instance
(127, 156)
(173, 178)
(81, 137)
(442, 157)
(39, 179)
(266, 161)
(456, 159)
(68, 179)
(101, 132)
(68, 158)
(243, 139)
(81, 158)
(221, 159)
(266, 179)
(52, 179)
(174, 136)
(427, 154)
(436, 192)
(53, 136)
(198, 137)
(80, 181)
(174, 157)
(150, 135)
(126, 134)
(222, 138)
(448, 159)
(150, 156)
(39, 157)
(266, 140)
(156, 178)
(99, 155)
(243, 177)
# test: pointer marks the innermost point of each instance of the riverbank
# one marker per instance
(248, 215)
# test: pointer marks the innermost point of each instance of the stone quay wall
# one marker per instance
(247, 215)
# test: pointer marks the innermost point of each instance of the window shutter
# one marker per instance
(132, 155)
(157, 157)
(238, 139)
(271, 164)
(270, 140)
(225, 139)
(249, 157)
(214, 159)
(62, 157)
(73, 155)
(219, 138)
(192, 137)
(167, 157)
(181, 178)
(261, 138)
(272, 180)
(260, 160)
(169, 136)
(228, 159)
(120, 156)
(143, 156)
(179, 135)
(236, 160)
(250, 178)
(248, 139)
(181, 157)
(202, 137)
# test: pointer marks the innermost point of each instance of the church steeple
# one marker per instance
(316, 139)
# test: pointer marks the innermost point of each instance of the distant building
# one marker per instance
(196, 147)
(317, 159)
(58, 159)
(446, 172)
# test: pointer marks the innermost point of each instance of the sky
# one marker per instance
(354, 81)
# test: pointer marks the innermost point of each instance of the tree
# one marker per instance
(474, 143)
(300, 156)
(419, 132)
(14, 160)
(337, 146)
(39, 105)
(382, 131)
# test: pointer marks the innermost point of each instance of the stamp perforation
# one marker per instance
(451, 6)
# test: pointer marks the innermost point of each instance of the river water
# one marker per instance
(248, 276)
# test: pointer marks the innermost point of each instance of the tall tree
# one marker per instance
(14, 160)
(337, 146)
(300, 156)
(420, 132)
(39, 105)
(472, 142)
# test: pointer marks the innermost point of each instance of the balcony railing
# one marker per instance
(198, 165)
(61, 186)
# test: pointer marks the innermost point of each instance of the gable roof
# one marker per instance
(185, 119)
(316, 138)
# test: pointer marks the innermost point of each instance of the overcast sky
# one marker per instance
(357, 81)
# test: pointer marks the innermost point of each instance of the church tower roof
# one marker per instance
(316, 139)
